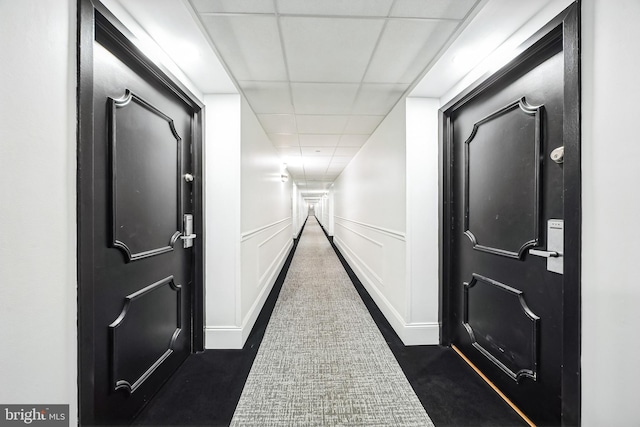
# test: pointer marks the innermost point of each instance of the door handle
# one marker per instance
(545, 254)
(188, 235)
(555, 246)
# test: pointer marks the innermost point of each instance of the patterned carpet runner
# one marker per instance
(323, 361)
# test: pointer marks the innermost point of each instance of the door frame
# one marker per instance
(564, 28)
(94, 18)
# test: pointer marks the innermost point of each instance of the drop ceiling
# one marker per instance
(322, 74)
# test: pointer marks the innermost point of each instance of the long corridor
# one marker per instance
(301, 366)
(323, 361)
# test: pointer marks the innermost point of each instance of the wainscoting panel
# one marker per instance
(369, 252)
(378, 257)
(263, 253)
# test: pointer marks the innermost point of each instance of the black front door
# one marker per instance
(136, 254)
(506, 254)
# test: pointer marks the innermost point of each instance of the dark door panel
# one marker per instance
(504, 308)
(143, 321)
(138, 285)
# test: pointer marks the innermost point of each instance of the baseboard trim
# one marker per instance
(421, 334)
(222, 338)
(409, 333)
(234, 337)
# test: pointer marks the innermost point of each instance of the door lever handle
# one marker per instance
(545, 254)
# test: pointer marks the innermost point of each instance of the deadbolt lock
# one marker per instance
(557, 155)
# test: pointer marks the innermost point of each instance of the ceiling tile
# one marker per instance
(318, 140)
(340, 160)
(335, 7)
(268, 97)
(334, 171)
(284, 139)
(328, 98)
(318, 151)
(406, 48)
(315, 173)
(233, 6)
(335, 168)
(296, 170)
(363, 124)
(443, 9)
(289, 152)
(249, 45)
(346, 151)
(316, 162)
(350, 140)
(378, 98)
(329, 50)
(278, 123)
(321, 124)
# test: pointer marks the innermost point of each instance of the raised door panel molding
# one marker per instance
(146, 174)
(504, 148)
(144, 334)
(502, 327)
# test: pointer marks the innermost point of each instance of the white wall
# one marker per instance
(370, 214)
(222, 161)
(422, 217)
(324, 212)
(611, 202)
(300, 210)
(267, 224)
(38, 214)
(249, 220)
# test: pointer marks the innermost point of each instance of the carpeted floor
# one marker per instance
(323, 361)
(207, 387)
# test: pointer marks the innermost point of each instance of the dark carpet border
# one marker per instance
(449, 390)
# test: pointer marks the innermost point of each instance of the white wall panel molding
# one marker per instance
(264, 242)
(249, 234)
(265, 252)
(375, 242)
(392, 233)
(409, 333)
(269, 280)
(366, 268)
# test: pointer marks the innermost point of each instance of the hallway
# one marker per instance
(311, 370)
(270, 110)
